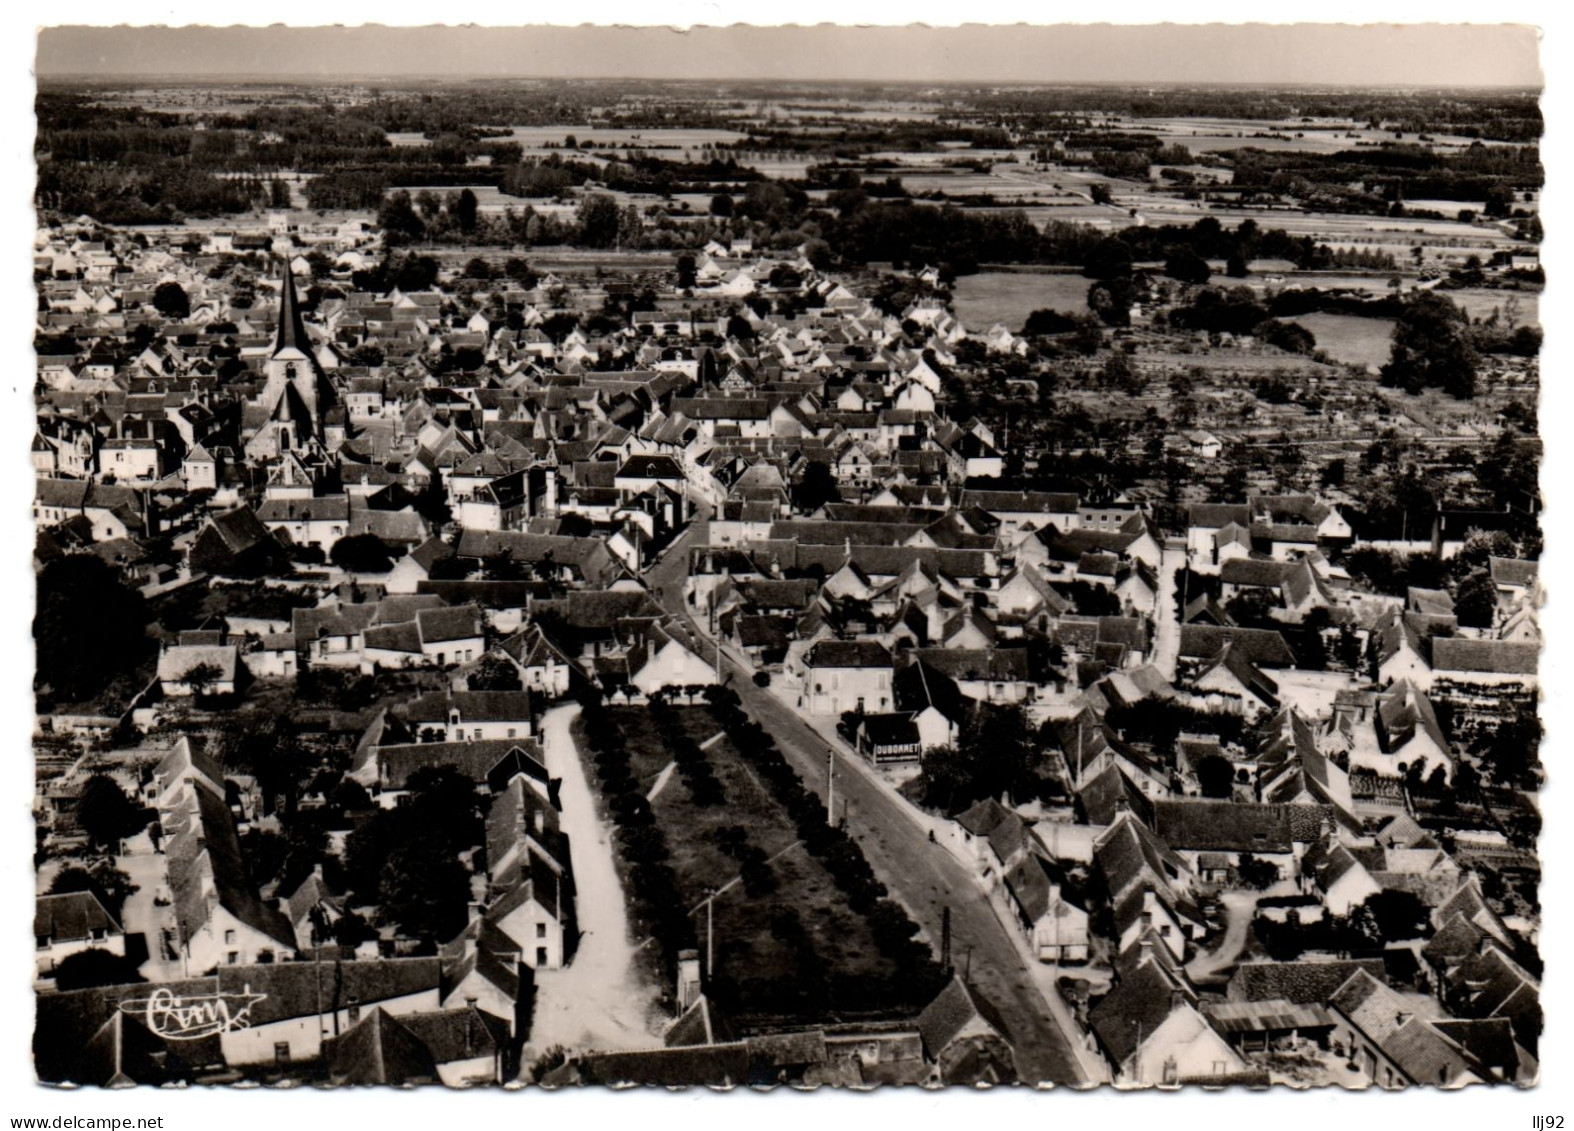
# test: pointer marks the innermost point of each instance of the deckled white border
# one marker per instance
(1322, 1110)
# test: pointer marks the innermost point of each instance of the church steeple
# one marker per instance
(292, 330)
(296, 393)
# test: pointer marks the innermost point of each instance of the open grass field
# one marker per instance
(1351, 339)
(1009, 297)
(748, 952)
(1481, 304)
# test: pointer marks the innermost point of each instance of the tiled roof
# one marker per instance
(1514, 572)
(472, 706)
(452, 1035)
(848, 654)
(995, 664)
(204, 856)
(1138, 1005)
(716, 1065)
(1405, 1035)
(71, 917)
(379, 1049)
(300, 989)
(1020, 502)
(1213, 516)
(440, 625)
(1506, 657)
(1237, 826)
(1304, 983)
(174, 664)
(1263, 647)
(474, 759)
(956, 1007)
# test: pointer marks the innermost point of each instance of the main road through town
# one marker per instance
(922, 874)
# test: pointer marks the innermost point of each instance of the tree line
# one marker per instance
(658, 905)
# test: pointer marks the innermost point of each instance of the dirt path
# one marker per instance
(1166, 654)
(1241, 908)
(601, 1000)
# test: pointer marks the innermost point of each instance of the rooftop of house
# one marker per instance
(848, 654)
(72, 917)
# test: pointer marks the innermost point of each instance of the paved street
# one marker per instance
(924, 876)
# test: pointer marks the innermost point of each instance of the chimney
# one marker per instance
(1177, 998)
(1054, 895)
(476, 910)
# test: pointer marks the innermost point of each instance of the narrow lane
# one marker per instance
(1166, 654)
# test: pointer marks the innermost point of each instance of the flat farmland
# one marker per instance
(941, 157)
(1041, 214)
(966, 181)
(1009, 297)
(489, 199)
(624, 139)
(777, 166)
(536, 139)
(838, 109)
(1450, 208)
(1349, 338)
(1332, 228)
(1481, 304)
(762, 970)
(1320, 136)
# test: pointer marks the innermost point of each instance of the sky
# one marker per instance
(1374, 55)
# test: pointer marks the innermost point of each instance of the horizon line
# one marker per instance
(261, 79)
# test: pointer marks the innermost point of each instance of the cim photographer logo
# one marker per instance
(177, 1018)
